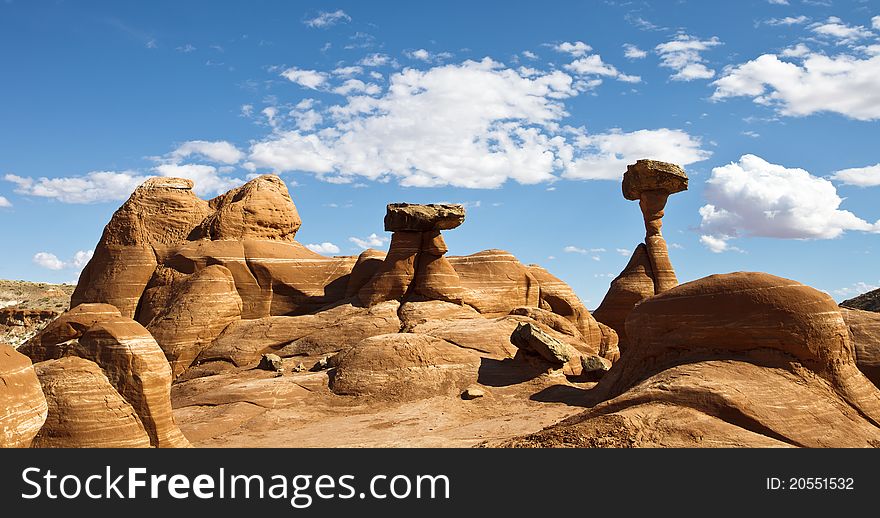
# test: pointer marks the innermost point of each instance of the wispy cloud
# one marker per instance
(326, 19)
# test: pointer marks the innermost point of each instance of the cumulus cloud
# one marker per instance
(323, 248)
(593, 65)
(52, 262)
(357, 86)
(633, 52)
(427, 56)
(788, 20)
(376, 60)
(95, 186)
(682, 54)
(753, 197)
(307, 78)
(842, 84)
(834, 28)
(777, 2)
(5, 203)
(576, 49)
(371, 241)
(486, 124)
(868, 176)
(605, 156)
(875, 22)
(215, 151)
(856, 289)
(326, 19)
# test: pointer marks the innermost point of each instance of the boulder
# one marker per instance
(198, 308)
(869, 301)
(85, 410)
(271, 362)
(404, 366)
(653, 175)
(23, 407)
(528, 337)
(410, 217)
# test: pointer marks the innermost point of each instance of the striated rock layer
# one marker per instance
(742, 359)
(23, 407)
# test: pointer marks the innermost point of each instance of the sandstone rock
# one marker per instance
(198, 308)
(22, 404)
(420, 218)
(85, 410)
(271, 362)
(128, 355)
(529, 338)
(404, 366)
(746, 359)
(653, 175)
(608, 348)
(364, 269)
(473, 392)
(593, 363)
(495, 282)
(661, 266)
(393, 278)
(336, 336)
(634, 284)
(865, 329)
(160, 213)
(260, 209)
(414, 313)
(551, 320)
(435, 277)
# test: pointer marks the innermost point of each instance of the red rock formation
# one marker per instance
(634, 284)
(404, 366)
(495, 282)
(85, 410)
(743, 359)
(195, 312)
(127, 354)
(865, 329)
(22, 404)
(260, 209)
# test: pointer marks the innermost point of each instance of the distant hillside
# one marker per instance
(866, 301)
(27, 307)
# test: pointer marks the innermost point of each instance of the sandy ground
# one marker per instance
(254, 408)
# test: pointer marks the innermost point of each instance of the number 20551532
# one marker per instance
(810, 483)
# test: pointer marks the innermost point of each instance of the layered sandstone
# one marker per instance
(23, 407)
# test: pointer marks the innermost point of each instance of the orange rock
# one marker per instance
(393, 278)
(260, 209)
(404, 366)
(22, 404)
(85, 410)
(368, 263)
(634, 284)
(865, 329)
(495, 282)
(197, 311)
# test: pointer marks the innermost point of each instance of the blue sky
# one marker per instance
(527, 112)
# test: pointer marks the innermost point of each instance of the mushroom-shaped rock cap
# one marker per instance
(413, 217)
(653, 175)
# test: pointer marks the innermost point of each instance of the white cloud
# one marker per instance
(96, 186)
(593, 65)
(605, 156)
(486, 124)
(217, 151)
(834, 28)
(856, 289)
(323, 248)
(750, 133)
(576, 49)
(357, 86)
(753, 197)
(186, 49)
(633, 52)
(682, 54)
(623, 251)
(326, 19)
(307, 78)
(841, 84)
(52, 262)
(4, 202)
(798, 51)
(427, 56)
(371, 241)
(247, 110)
(778, 2)
(376, 60)
(868, 176)
(875, 22)
(529, 54)
(788, 20)
(348, 71)
(575, 250)
(307, 120)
